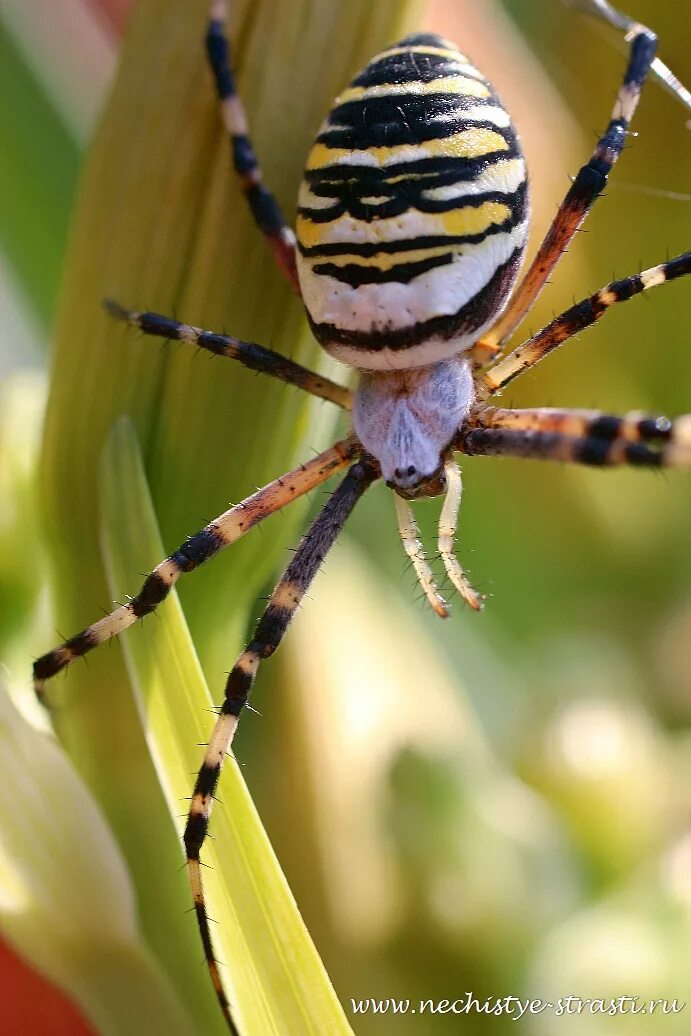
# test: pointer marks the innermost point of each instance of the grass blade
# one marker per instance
(278, 981)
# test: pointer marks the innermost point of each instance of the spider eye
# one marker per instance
(406, 472)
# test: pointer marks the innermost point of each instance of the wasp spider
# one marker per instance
(412, 222)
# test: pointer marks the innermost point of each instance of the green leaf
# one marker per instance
(277, 980)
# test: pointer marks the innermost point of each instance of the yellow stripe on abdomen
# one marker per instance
(474, 142)
(463, 221)
(461, 85)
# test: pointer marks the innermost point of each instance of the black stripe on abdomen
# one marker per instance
(472, 315)
(355, 274)
(390, 121)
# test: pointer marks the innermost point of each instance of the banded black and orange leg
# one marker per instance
(590, 180)
(581, 437)
(573, 320)
(256, 357)
(263, 205)
(221, 532)
(589, 424)
(269, 633)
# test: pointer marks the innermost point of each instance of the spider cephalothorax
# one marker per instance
(412, 222)
(407, 418)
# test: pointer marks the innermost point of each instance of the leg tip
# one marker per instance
(115, 310)
(475, 600)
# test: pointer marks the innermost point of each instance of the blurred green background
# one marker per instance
(498, 803)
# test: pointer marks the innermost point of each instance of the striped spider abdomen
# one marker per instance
(413, 211)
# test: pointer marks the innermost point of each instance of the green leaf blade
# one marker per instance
(277, 979)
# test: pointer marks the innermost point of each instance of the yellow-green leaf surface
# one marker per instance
(278, 983)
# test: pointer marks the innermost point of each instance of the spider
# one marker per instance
(413, 218)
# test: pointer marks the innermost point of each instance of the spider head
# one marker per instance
(406, 419)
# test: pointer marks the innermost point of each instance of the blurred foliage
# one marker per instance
(543, 848)
(67, 902)
(37, 180)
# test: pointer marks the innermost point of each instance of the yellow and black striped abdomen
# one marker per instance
(413, 210)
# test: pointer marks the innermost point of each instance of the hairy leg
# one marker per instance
(633, 427)
(575, 319)
(592, 177)
(580, 437)
(269, 633)
(263, 205)
(448, 524)
(221, 532)
(410, 538)
(256, 357)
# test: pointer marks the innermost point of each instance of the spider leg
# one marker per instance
(587, 185)
(605, 12)
(269, 633)
(575, 319)
(448, 523)
(256, 357)
(410, 537)
(633, 427)
(579, 437)
(263, 206)
(221, 532)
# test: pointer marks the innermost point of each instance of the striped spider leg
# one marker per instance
(253, 356)
(202, 546)
(269, 633)
(583, 314)
(263, 206)
(233, 523)
(577, 436)
(591, 178)
(580, 437)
